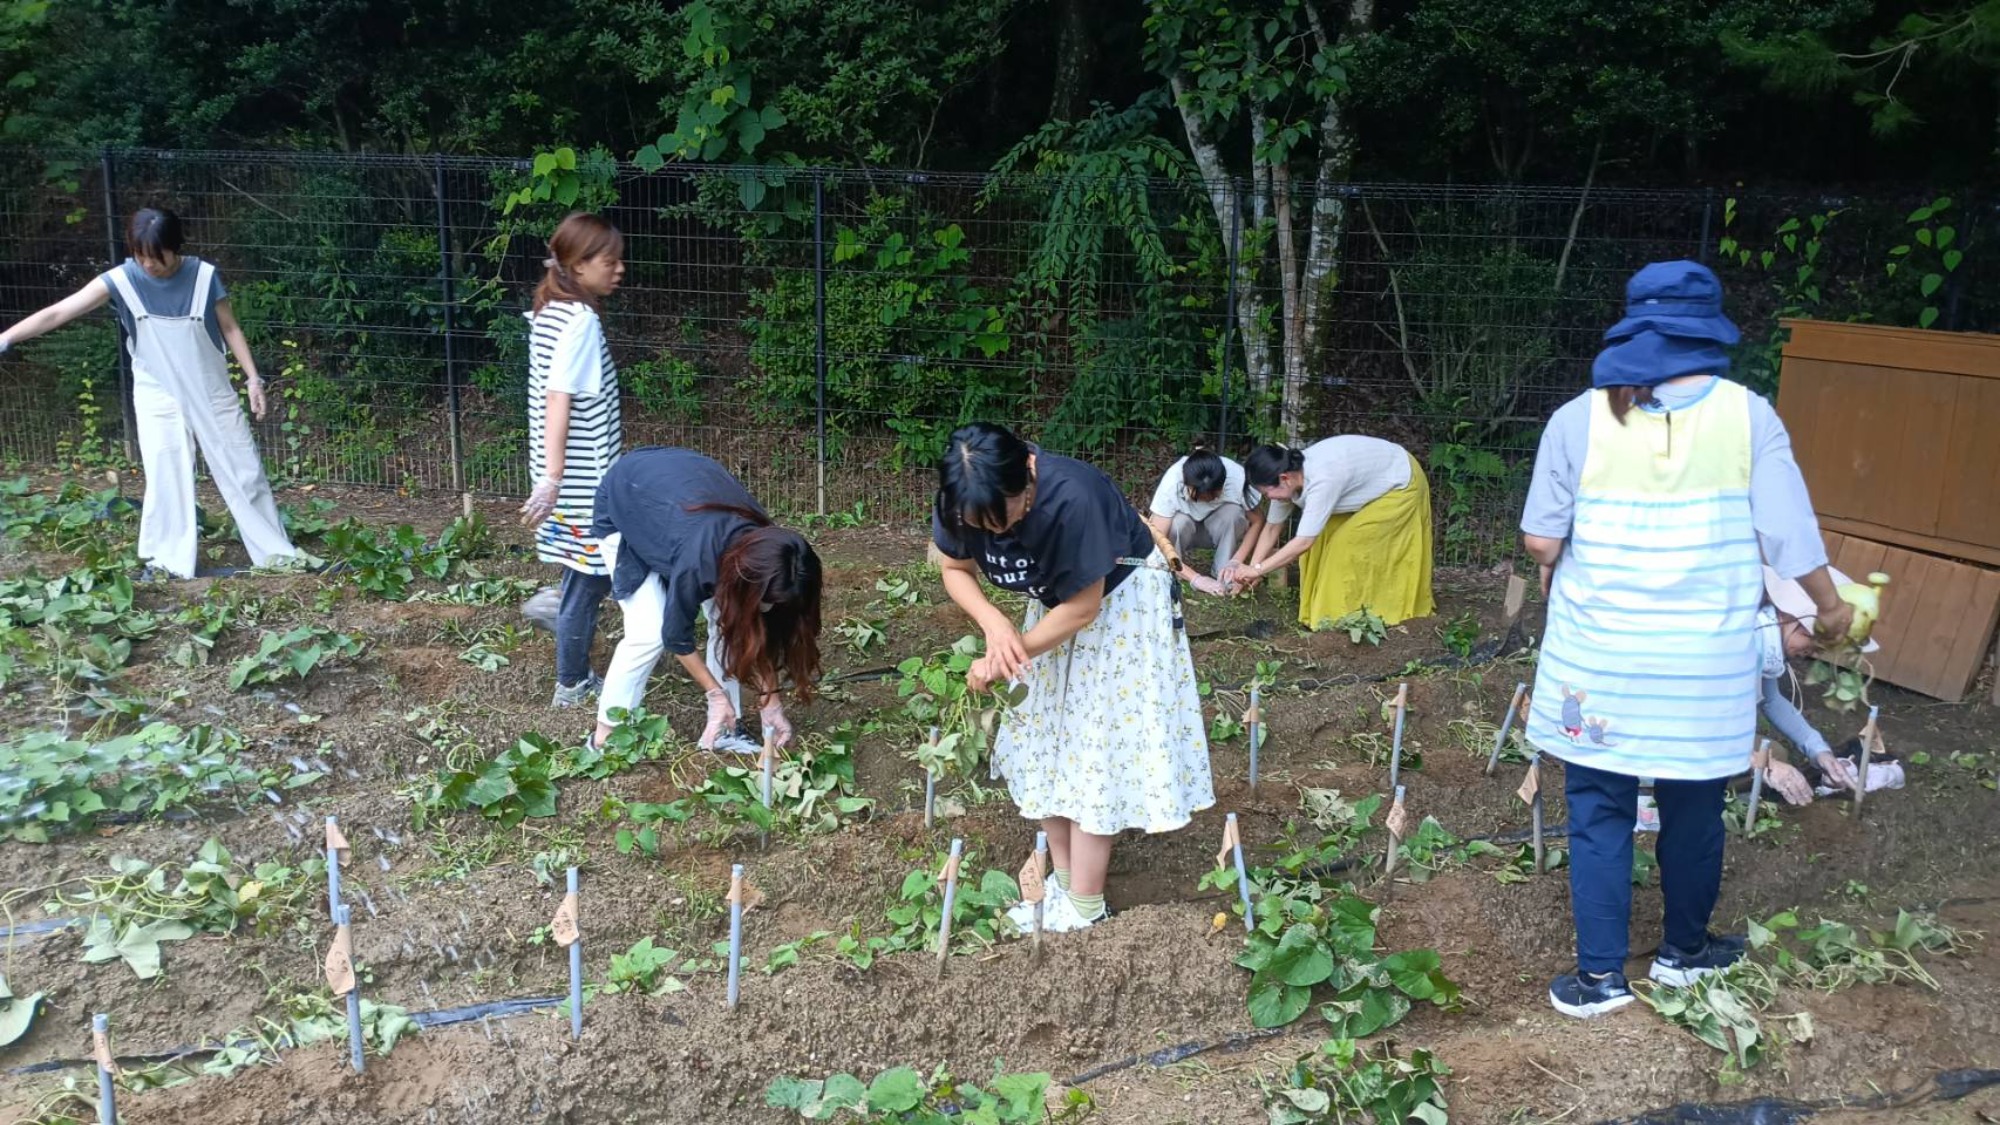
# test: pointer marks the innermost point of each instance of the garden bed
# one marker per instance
(451, 912)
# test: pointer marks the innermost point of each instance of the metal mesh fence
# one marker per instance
(821, 332)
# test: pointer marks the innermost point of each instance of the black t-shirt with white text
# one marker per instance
(1078, 528)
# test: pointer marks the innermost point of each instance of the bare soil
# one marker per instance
(444, 915)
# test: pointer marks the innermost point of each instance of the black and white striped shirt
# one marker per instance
(567, 352)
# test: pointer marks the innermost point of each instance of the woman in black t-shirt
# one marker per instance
(681, 538)
(1110, 736)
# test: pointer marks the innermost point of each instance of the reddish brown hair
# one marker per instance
(578, 239)
(1623, 399)
(775, 567)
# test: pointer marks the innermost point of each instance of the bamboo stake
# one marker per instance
(1506, 725)
(735, 934)
(950, 894)
(1396, 741)
(1232, 836)
(930, 786)
(107, 1091)
(1869, 734)
(1253, 728)
(1759, 762)
(768, 760)
(1042, 854)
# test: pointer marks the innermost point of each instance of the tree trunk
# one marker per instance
(1073, 57)
(1329, 215)
(1291, 415)
(1223, 198)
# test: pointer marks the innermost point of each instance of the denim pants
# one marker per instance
(576, 623)
(1603, 808)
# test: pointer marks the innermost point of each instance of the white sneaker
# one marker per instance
(1060, 917)
(1022, 913)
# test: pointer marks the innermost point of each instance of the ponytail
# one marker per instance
(577, 239)
(1267, 463)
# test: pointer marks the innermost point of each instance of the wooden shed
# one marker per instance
(1898, 433)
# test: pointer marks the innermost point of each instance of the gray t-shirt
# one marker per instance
(166, 296)
(1344, 474)
(1780, 509)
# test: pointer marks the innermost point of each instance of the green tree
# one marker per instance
(1263, 84)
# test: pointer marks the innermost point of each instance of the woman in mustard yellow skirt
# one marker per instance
(1364, 528)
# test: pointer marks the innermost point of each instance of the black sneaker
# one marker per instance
(1584, 995)
(1678, 968)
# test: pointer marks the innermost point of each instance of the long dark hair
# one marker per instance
(578, 239)
(153, 233)
(1203, 472)
(775, 567)
(1266, 462)
(984, 465)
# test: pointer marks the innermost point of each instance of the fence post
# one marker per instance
(819, 324)
(450, 326)
(1229, 309)
(1707, 218)
(131, 421)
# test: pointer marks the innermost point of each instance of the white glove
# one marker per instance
(541, 502)
(1213, 587)
(773, 716)
(721, 719)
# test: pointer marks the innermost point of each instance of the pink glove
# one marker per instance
(773, 716)
(1213, 587)
(721, 719)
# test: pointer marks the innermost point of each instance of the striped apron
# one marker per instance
(1650, 662)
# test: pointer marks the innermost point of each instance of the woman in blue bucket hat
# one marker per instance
(1657, 496)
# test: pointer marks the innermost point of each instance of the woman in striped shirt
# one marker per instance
(574, 434)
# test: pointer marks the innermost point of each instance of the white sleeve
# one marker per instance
(577, 365)
(1166, 497)
(1316, 508)
(1281, 511)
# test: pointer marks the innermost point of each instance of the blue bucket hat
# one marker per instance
(1673, 326)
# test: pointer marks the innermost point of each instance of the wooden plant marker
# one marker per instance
(1232, 846)
(1531, 792)
(340, 980)
(1510, 612)
(1402, 706)
(1760, 760)
(1506, 725)
(1398, 823)
(1032, 875)
(949, 876)
(565, 929)
(107, 1069)
(1871, 740)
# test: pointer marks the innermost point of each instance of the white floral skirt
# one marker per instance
(1111, 734)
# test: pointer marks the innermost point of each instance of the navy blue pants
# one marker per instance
(576, 623)
(1603, 808)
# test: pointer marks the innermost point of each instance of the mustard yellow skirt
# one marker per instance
(1378, 557)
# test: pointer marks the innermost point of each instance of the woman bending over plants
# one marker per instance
(680, 537)
(1110, 735)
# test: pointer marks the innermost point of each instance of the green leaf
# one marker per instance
(750, 192)
(648, 159)
(792, 1093)
(1273, 1003)
(1301, 958)
(895, 1091)
(1925, 319)
(1952, 258)
(1363, 1009)
(545, 162)
(17, 1012)
(1417, 974)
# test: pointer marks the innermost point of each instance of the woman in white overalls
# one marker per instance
(177, 316)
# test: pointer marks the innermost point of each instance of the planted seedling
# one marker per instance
(934, 692)
(902, 1096)
(1343, 1082)
(1362, 625)
(293, 654)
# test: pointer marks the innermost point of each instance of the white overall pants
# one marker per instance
(181, 396)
